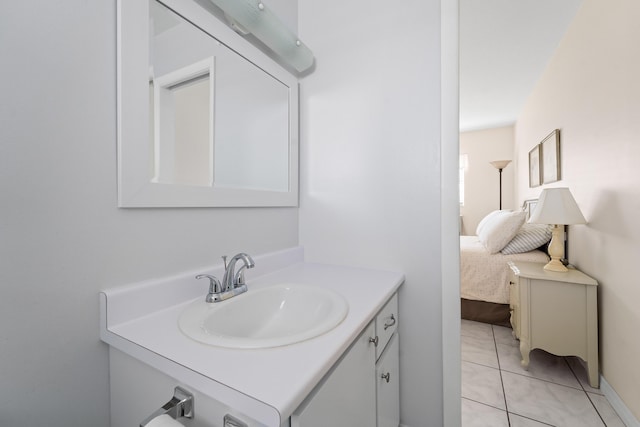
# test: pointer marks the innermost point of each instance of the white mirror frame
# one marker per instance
(135, 187)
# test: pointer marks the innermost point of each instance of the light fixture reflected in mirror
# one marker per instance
(253, 16)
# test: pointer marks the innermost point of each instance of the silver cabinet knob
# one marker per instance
(374, 341)
(386, 376)
(392, 321)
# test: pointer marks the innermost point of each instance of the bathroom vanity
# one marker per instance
(366, 377)
(346, 376)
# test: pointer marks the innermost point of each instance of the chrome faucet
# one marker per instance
(233, 281)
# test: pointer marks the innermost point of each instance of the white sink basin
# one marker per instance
(268, 317)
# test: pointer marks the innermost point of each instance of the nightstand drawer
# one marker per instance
(514, 303)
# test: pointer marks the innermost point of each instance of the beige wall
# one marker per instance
(591, 92)
(482, 179)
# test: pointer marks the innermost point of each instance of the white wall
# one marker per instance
(62, 239)
(482, 181)
(371, 194)
(371, 190)
(591, 92)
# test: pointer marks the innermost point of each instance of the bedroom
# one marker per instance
(590, 93)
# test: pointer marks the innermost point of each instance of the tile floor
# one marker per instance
(497, 392)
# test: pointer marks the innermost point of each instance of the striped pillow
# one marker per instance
(528, 238)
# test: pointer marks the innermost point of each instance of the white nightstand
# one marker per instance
(555, 312)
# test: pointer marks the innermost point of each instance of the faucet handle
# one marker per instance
(239, 279)
(214, 284)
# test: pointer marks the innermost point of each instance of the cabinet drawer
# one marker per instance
(514, 303)
(388, 386)
(513, 296)
(386, 324)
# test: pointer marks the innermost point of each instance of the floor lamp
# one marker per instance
(500, 164)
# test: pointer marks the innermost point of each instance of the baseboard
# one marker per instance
(617, 404)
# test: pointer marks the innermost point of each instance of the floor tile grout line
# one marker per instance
(532, 419)
(533, 378)
(581, 385)
(584, 389)
(551, 382)
(574, 373)
(546, 381)
(481, 364)
(504, 392)
(596, 408)
(492, 340)
(485, 404)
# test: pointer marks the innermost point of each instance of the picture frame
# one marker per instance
(535, 172)
(550, 156)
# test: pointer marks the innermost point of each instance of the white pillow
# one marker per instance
(528, 238)
(484, 221)
(500, 230)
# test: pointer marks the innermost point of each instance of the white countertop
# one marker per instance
(269, 384)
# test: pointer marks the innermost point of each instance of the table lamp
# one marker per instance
(557, 206)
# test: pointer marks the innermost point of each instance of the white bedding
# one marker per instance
(485, 276)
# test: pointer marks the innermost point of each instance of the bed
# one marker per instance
(484, 280)
(484, 269)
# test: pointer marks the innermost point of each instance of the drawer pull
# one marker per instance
(374, 340)
(388, 325)
(386, 376)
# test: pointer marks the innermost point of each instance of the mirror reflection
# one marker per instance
(215, 118)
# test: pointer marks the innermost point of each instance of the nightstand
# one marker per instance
(555, 312)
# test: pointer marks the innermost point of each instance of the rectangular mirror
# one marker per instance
(202, 122)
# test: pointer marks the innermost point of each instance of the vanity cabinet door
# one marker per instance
(346, 397)
(388, 385)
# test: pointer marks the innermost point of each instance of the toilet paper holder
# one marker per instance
(180, 405)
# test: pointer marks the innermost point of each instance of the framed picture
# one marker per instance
(534, 167)
(551, 157)
(528, 206)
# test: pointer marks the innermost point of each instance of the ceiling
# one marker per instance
(505, 46)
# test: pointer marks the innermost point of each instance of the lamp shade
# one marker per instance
(500, 164)
(557, 206)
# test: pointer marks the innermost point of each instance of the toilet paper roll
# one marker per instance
(164, 421)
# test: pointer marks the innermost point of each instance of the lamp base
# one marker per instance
(556, 265)
(556, 250)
